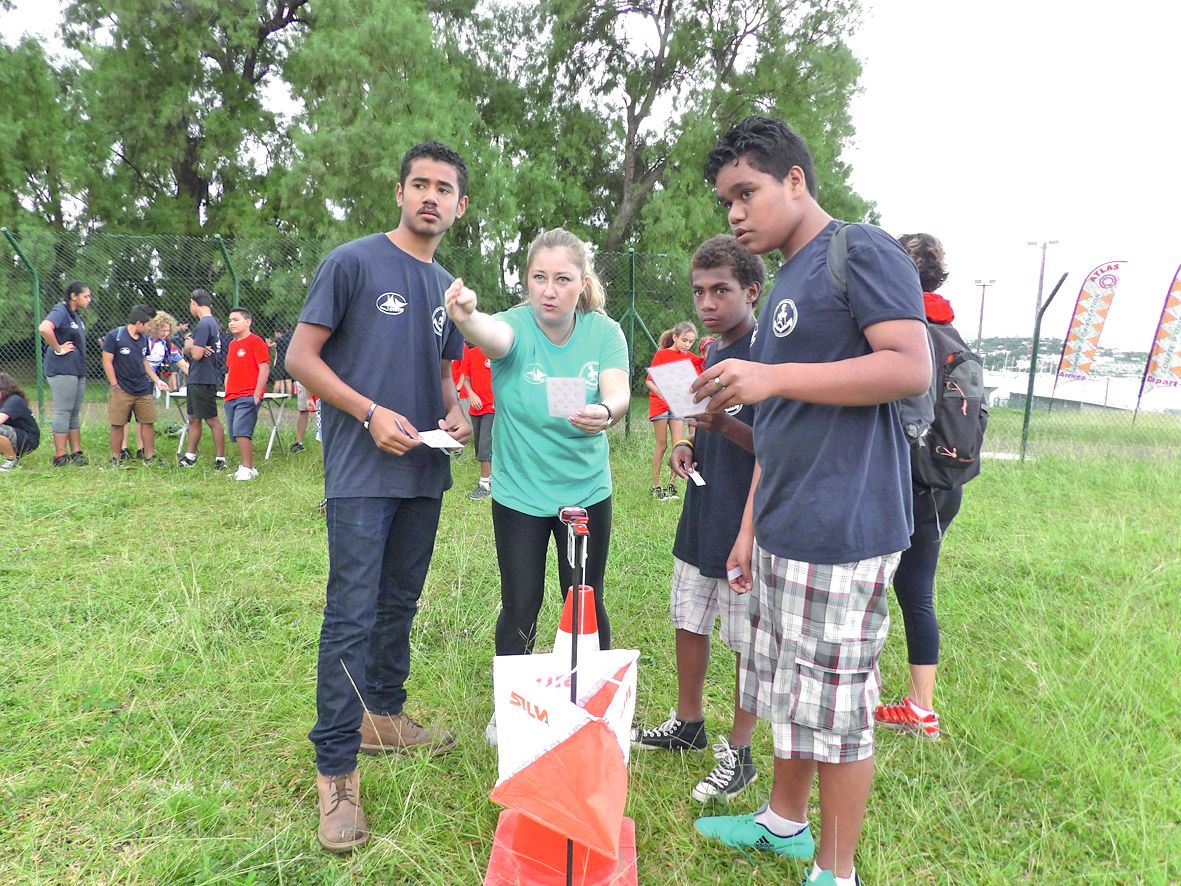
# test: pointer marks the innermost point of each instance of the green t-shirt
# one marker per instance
(541, 463)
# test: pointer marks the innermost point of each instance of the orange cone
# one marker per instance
(588, 624)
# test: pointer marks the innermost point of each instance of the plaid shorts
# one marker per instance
(697, 602)
(810, 667)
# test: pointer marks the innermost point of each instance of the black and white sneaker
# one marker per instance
(185, 462)
(672, 735)
(8, 464)
(730, 777)
(296, 447)
(220, 464)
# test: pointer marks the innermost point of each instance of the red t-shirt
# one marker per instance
(478, 370)
(456, 372)
(656, 404)
(243, 358)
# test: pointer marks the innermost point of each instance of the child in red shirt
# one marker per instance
(475, 373)
(675, 344)
(248, 367)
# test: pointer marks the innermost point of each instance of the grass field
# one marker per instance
(159, 633)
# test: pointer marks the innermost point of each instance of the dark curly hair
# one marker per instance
(927, 254)
(435, 151)
(726, 252)
(10, 386)
(769, 145)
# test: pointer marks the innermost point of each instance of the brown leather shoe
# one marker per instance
(342, 821)
(394, 733)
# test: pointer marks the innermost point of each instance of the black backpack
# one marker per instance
(946, 425)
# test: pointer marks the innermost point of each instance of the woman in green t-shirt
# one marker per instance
(560, 379)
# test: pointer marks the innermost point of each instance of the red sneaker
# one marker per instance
(902, 716)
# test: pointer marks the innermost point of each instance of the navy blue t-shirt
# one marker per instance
(390, 334)
(712, 513)
(835, 484)
(67, 327)
(20, 419)
(206, 371)
(129, 356)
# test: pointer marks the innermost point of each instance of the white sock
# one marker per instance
(921, 711)
(850, 880)
(190, 456)
(485, 482)
(777, 824)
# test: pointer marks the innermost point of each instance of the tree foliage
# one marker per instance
(260, 118)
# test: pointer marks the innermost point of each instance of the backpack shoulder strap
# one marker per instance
(837, 258)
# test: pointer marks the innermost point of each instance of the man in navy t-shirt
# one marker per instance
(375, 344)
(131, 377)
(830, 505)
(204, 350)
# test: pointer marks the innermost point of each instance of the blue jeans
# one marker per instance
(379, 550)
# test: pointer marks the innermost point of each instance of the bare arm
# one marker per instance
(390, 430)
(160, 384)
(50, 338)
(898, 366)
(453, 421)
(260, 389)
(743, 550)
(616, 395)
(737, 432)
(109, 369)
(494, 337)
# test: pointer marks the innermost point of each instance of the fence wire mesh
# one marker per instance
(646, 292)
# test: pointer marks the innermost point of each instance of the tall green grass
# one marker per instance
(159, 634)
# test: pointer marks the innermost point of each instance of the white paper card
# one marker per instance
(696, 478)
(439, 440)
(674, 380)
(565, 396)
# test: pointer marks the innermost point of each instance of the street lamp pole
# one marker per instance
(1041, 278)
(983, 284)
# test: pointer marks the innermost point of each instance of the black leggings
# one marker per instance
(522, 543)
(914, 580)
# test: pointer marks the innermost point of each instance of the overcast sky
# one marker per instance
(992, 125)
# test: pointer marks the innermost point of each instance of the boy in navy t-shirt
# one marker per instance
(205, 353)
(829, 510)
(727, 281)
(375, 344)
(131, 377)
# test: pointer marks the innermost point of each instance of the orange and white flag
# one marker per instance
(1164, 360)
(1086, 324)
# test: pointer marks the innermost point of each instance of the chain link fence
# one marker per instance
(647, 293)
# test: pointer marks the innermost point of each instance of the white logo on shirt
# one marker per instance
(754, 333)
(241, 352)
(391, 303)
(534, 374)
(784, 318)
(437, 319)
(124, 351)
(590, 373)
(73, 325)
(733, 410)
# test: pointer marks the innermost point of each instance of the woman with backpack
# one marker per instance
(934, 509)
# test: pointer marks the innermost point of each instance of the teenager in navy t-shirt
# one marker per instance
(829, 513)
(19, 433)
(375, 344)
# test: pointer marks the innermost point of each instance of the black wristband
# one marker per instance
(610, 414)
(369, 415)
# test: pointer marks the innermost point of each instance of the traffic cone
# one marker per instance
(588, 624)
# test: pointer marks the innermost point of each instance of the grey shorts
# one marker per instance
(697, 601)
(811, 664)
(482, 435)
(241, 417)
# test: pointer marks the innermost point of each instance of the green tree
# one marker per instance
(680, 71)
(178, 135)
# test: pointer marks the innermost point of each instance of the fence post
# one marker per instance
(37, 344)
(631, 325)
(1037, 332)
(229, 264)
